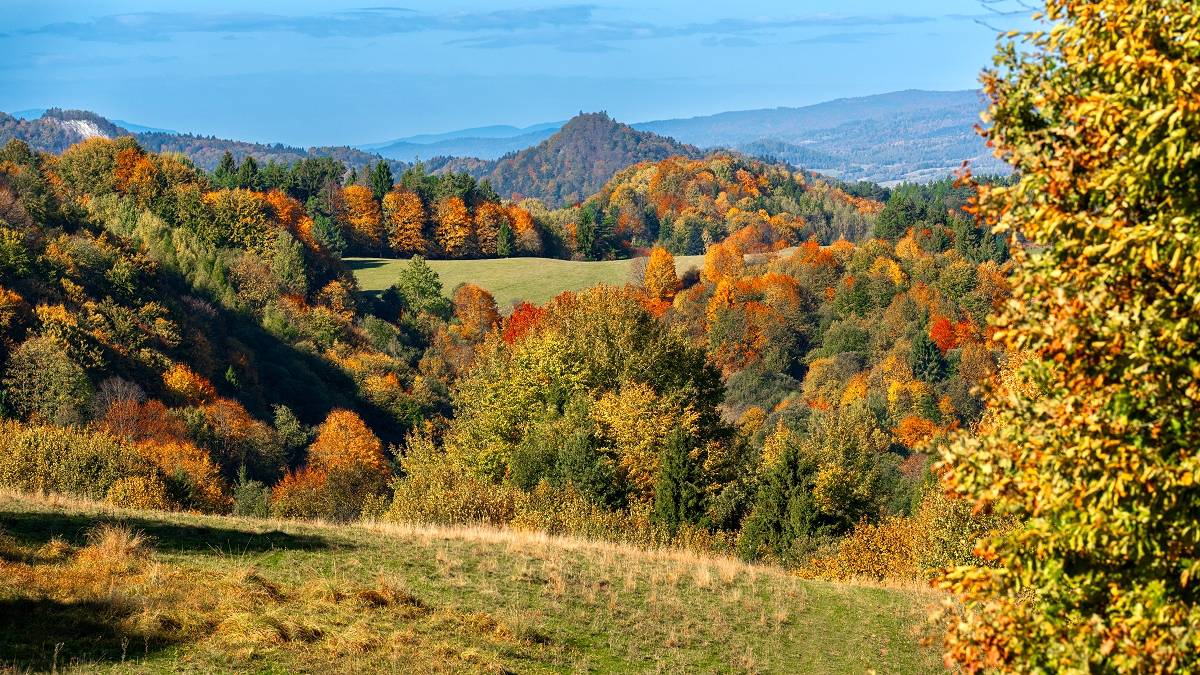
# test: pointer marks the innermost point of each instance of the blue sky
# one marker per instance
(340, 72)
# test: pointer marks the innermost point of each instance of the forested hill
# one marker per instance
(573, 163)
(57, 129)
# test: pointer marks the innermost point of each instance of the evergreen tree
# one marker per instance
(381, 180)
(677, 498)
(274, 176)
(226, 171)
(585, 232)
(927, 361)
(247, 175)
(504, 240)
(420, 289)
(784, 512)
(328, 234)
(901, 212)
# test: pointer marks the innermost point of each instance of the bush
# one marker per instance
(139, 492)
(251, 498)
(301, 494)
(887, 550)
(69, 461)
(439, 490)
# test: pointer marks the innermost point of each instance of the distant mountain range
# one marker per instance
(55, 130)
(482, 142)
(906, 135)
(902, 136)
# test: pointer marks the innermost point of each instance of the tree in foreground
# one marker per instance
(1100, 462)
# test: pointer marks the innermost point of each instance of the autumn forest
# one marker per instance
(980, 387)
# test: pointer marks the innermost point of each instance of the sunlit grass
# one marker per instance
(90, 587)
(510, 280)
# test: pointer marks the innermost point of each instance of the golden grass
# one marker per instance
(420, 598)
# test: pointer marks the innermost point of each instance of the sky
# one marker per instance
(351, 72)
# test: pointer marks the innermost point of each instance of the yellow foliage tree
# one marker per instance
(661, 279)
(364, 216)
(454, 226)
(404, 216)
(722, 262)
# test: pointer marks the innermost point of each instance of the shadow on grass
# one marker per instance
(38, 528)
(43, 635)
(356, 264)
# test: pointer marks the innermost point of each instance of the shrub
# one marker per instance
(301, 494)
(437, 489)
(69, 461)
(139, 492)
(887, 550)
(251, 498)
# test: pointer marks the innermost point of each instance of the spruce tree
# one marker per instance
(677, 499)
(928, 364)
(381, 180)
(226, 171)
(504, 240)
(247, 174)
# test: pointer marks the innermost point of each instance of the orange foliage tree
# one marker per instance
(721, 262)
(475, 312)
(453, 229)
(524, 318)
(488, 219)
(661, 279)
(364, 216)
(404, 216)
(186, 385)
(344, 439)
(941, 331)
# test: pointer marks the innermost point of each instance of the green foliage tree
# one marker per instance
(287, 263)
(1092, 445)
(225, 175)
(328, 234)
(420, 289)
(247, 175)
(504, 240)
(928, 363)
(43, 382)
(677, 498)
(381, 180)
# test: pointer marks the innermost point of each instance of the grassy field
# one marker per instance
(86, 587)
(510, 280)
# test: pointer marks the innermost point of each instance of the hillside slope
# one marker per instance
(185, 593)
(572, 164)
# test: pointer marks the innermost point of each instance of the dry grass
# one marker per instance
(104, 588)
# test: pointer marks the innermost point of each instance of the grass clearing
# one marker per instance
(84, 586)
(510, 280)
